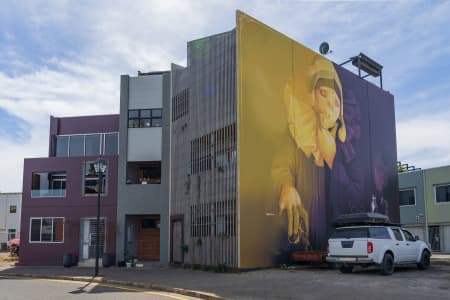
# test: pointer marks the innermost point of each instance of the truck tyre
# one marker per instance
(346, 269)
(387, 266)
(424, 260)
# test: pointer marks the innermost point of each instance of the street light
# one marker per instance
(100, 169)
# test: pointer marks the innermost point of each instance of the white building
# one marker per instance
(10, 212)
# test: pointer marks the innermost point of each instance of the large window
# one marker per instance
(92, 144)
(90, 177)
(407, 197)
(87, 144)
(148, 172)
(442, 193)
(142, 118)
(46, 230)
(48, 184)
(111, 146)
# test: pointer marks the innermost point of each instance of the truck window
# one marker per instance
(397, 234)
(348, 233)
(379, 233)
(408, 236)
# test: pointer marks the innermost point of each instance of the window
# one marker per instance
(214, 150)
(180, 104)
(61, 146)
(347, 233)
(12, 209)
(408, 236)
(144, 172)
(92, 145)
(46, 230)
(86, 144)
(11, 234)
(397, 234)
(201, 220)
(224, 218)
(48, 184)
(379, 233)
(111, 144)
(442, 193)
(142, 118)
(91, 179)
(407, 197)
(76, 145)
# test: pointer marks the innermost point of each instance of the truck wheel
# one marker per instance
(424, 260)
(346, 269)
(387, 266)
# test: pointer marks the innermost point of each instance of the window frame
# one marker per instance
(435, 193)
(140, 119)
(15, 208)
(10, 232)
(400, 233)
(49, 184)
(40, 230)
(104, 185)
(415, 198)
(101, 136)
(101, 144)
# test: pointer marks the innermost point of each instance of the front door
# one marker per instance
(177, 254)
(89, 238)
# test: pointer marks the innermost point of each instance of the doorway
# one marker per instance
(89, 238)
(176, 240)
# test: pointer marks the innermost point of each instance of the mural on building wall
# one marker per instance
(315, 141)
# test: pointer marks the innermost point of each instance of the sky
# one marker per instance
(65, 58)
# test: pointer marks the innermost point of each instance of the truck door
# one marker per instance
(399, 247)
(412, 247)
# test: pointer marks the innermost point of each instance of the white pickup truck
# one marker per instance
(383, 245)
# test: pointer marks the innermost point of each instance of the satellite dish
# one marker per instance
(324, 48)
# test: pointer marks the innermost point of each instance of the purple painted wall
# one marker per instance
(75, 205)
(81, 125)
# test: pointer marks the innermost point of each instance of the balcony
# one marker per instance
(48, 193)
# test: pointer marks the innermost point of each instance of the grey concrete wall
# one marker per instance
(146, 92)
(140, 199)
(144, 144)
(408, 214)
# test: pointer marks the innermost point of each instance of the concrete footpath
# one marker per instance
(299, 282)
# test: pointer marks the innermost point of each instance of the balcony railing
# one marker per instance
(48, 193)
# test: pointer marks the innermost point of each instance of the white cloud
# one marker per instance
(421, 140)
(76, 54)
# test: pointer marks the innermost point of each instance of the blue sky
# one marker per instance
(65, 58)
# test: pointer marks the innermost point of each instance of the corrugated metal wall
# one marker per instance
(203, 151)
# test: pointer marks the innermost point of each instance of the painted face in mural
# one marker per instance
(315, 118)
(327, 105)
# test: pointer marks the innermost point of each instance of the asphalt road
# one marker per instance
(30, 289)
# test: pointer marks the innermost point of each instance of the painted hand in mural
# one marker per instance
(298, 219)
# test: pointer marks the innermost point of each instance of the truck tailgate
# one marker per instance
(348, 247)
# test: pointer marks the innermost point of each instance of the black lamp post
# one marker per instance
(100, 169)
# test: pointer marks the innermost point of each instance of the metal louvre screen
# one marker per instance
(203, 151)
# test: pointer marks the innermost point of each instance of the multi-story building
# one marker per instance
(10, 210)
(270, 141)
(425, 204)
(143, 177)
(59, 206)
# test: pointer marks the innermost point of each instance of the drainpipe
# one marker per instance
(427, 240)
